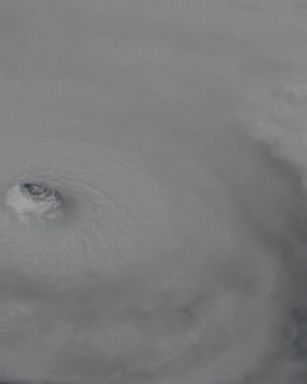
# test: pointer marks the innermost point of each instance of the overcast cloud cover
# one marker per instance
(176, 130)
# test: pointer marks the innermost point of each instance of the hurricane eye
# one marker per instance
(35, 190)
(35, 199)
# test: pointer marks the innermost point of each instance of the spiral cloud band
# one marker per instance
(152, 192)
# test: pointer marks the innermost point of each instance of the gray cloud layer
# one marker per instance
(177, 131)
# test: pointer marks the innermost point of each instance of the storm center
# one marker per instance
(35, 200)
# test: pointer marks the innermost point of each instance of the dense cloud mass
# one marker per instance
(167, 142)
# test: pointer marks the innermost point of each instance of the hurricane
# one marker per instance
(153, 192)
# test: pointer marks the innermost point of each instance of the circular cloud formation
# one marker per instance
(142, 280)
(178, 250)
(35, 200)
